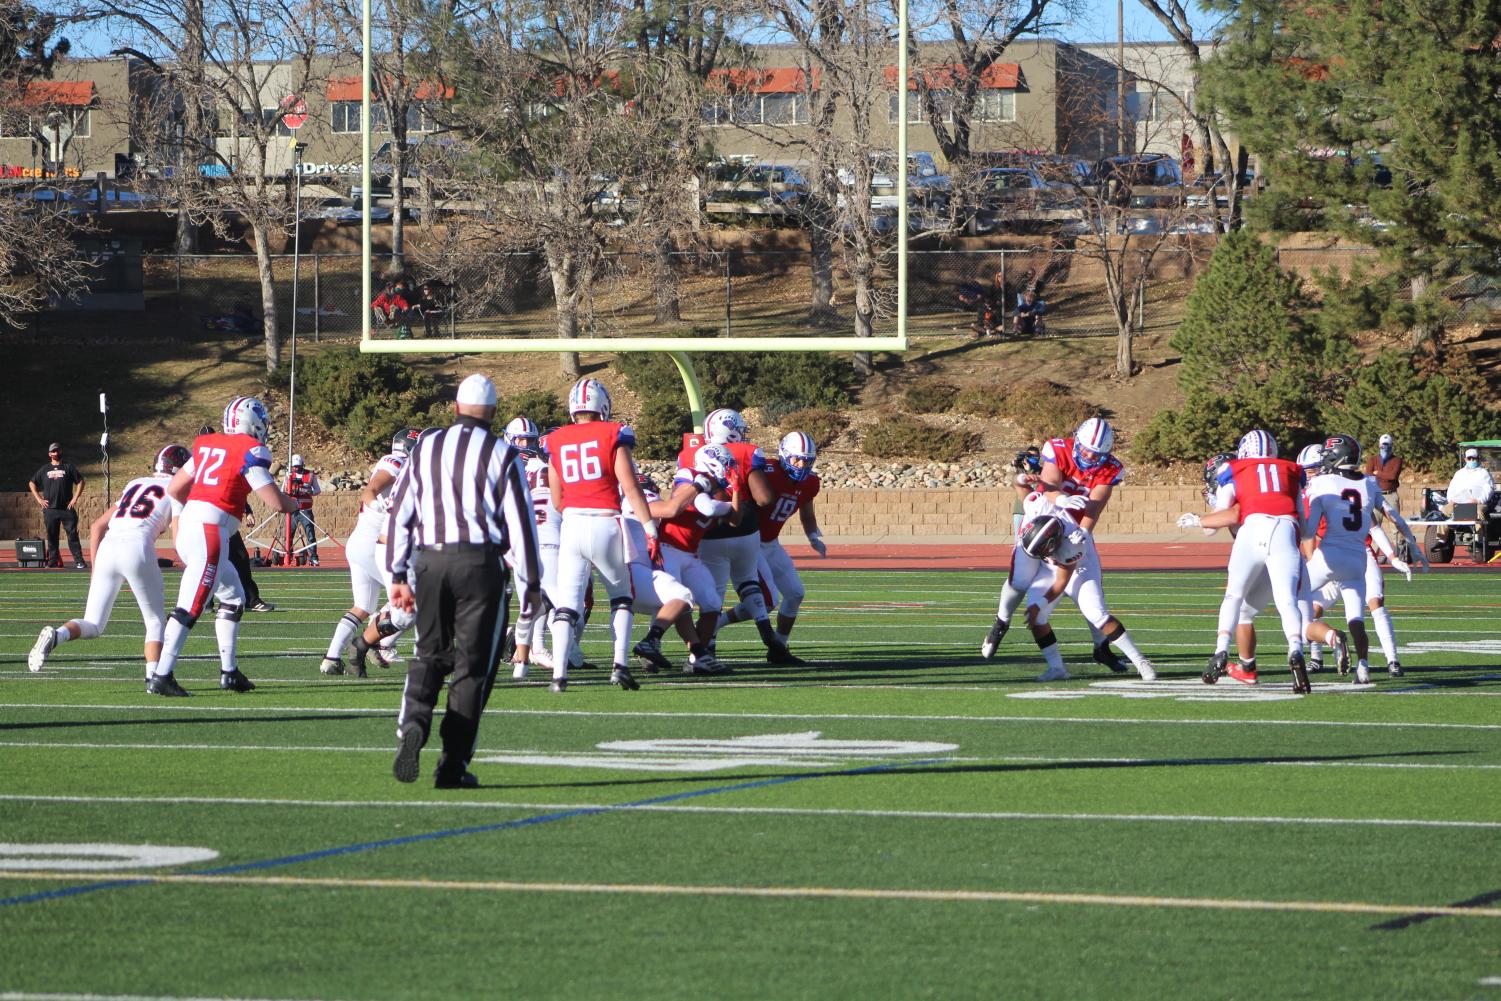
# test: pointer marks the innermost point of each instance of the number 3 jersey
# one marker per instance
(582, 460)
(143, 511)
(1344, 505)
(226, 468)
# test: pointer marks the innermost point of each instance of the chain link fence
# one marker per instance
(735, 292)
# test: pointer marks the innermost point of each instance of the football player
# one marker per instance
(656, 591)
(1261, 494)
(367, 571)
(1083, 466)
(1055, 555)
(213, 485)
(1375, 588)
(591, 470)
(123, 543)
(697, 501)
(794, 484)
(731, 550)
(525, 437)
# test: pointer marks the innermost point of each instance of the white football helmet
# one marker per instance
(1092, 442)
(1312, 456)
(589, 396)
(724, 425)
(247, 415)
(522, 435)
(1257, 444)
(797, 446)
(715, 461)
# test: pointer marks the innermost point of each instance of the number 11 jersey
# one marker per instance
(1261, 486)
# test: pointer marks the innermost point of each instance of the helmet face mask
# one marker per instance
(724, 425)
(1092, 442)
(589, 396)
(522, 435)
(798, 453)
(715, 461)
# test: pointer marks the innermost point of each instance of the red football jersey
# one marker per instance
(748, 459)
(791, 496)
(226, 468)
(583, 463)
(1076, 480)
(1267, 486)
(686, 530)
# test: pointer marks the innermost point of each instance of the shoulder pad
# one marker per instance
(260, 455)
(625, 436)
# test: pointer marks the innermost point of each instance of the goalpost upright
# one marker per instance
(677, 348)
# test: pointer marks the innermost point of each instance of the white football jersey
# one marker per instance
(373, 515)
(1075, 540)
(538, 473)
(1344, 505)
(144, 509)
(635, 534)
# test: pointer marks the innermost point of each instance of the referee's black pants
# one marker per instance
(461, 622)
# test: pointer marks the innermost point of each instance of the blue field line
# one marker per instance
(546, 818)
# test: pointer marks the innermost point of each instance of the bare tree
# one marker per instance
(258, 57)
(39, 259)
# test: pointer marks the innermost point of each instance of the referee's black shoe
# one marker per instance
(621, 676)
(408, 752)
(464, 780)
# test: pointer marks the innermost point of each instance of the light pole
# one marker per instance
(297, 149)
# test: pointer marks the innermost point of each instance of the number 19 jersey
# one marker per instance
(583, 464)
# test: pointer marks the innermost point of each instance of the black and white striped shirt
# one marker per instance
(463, 485)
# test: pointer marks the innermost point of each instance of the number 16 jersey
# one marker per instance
(583, 464)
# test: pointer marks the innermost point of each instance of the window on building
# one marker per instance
(1144, 106)
(757, 109)
(995, 106)
(268, 115)
(346, 116)
(917, 111)
(784, 109)
(83, 123)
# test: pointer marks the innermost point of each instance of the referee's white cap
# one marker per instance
(477, 391)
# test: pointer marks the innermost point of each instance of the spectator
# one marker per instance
(1386, 466)
(1029, 311)
(1471, 483)
(57, 487)
(432, 303)
(301, 484)
(393, 308)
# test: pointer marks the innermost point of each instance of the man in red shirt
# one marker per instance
(590, 470)
(213, 487)
(302, 484)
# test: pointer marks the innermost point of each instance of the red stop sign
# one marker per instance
(295, 112)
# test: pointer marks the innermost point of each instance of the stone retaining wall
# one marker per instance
(1135, 511)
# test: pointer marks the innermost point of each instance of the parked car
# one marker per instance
(1011, 194)
(1141, 181)
(735, 190)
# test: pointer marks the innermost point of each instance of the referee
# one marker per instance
(460, 503)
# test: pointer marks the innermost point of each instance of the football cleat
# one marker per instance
(519, 671)
(707, 664)
(331, 665)
(1300, 674)
(46, 642)
(1395, 669)
(1244, 675)
(558, 686)
(1315, 665)
(262, 606)
(387, 656)
(621, 675)
(1147, 670)
(464, 780)
(1362, 673)
(166, 684)
(408, 755)
(993, 638)
(1104, 655)
(1216, 668)
(1054, 674)
(779, 654)
(1341, 648)
(652, 659)
(235, 681)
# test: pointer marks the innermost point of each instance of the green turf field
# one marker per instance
(897, 820)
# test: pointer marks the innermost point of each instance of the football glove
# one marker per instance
(1402, 567)
(654, 551)
(1189, 520)
(815, 539)
(704, 484)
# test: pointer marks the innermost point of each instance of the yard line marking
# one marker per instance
(29, 996)
(650, 714)
(807, 892)
(565, 758)
(790, 811)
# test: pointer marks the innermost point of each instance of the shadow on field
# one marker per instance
(982, 768)
(185, 721)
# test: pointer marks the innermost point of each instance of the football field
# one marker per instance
(898, 819)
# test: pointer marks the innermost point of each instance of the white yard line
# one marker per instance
(178, 706)
(28, 996)
(832, 812)
(807, 893)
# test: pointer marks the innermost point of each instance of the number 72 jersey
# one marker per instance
(226, 468)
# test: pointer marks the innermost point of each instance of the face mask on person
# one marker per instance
(1386, 452)
(1472, 463)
